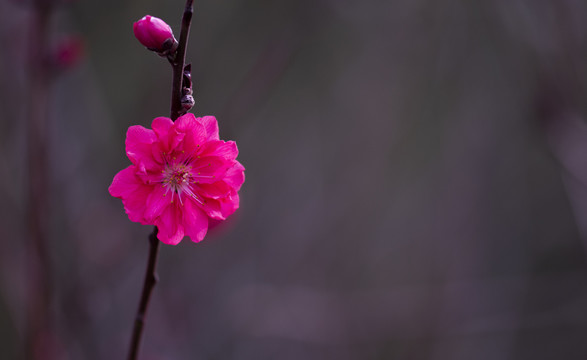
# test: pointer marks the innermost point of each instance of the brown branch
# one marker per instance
(177, 61)
(150, 281)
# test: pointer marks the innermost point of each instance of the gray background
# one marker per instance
(415, 182)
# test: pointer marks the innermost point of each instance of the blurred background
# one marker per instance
(415, 187)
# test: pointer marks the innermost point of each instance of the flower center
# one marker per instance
(177, 179)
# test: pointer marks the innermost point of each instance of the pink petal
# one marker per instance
(211, 125)
(175, 138)
(230, 204)
(195, 221)
(149, 177)
(220, 209)
(157, 202)
(130, 189)
(235, 176)
(186, 122)
(209, 169)
(158, 150)
(195, 133)
(213, 209)
(139, 142)
(170, 227)
(124, 182)
(214, 190)
(162, 127)
(225, 149)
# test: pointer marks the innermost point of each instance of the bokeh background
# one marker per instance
(416, 182)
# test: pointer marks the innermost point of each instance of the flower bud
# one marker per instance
(187, 102)
(155, 34)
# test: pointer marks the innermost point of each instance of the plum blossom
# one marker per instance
(181, 176)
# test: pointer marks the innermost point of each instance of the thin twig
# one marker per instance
(177, 61)
(150, 281)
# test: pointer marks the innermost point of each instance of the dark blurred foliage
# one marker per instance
(416, 181)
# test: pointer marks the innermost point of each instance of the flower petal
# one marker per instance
(152, 177)
(213, 209)
(124, 182)
(230, 204)
(170, 227)
(224, 149)
(139, 142)
(128, 187)
(157, 202)
(163, 128)
(209, 169)
(235, 176)
(214, 190)
(195, 133)
(211, 125)
(161, 125)
(187, 122)
(221, 208)
(195, 221)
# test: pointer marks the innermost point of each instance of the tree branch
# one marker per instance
(150, 281)
(177, 62)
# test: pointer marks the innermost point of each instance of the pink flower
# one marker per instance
(181, 175)
(154, 34)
